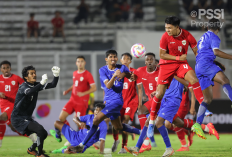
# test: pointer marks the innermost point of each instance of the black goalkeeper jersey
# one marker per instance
(25, 103)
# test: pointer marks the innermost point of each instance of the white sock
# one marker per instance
(206, 128)
(146, 142)
(184, 145)
(152, 122)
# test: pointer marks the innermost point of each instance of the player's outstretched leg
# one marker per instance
(58, 151)
(32, 150)
(2, 131)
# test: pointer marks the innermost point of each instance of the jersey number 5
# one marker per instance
(7, 88)
(150, 86)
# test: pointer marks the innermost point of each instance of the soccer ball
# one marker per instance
(138, 50)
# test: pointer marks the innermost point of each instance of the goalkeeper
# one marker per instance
(25, 103)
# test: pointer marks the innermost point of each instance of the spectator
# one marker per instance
(138, 12)
(189, 6)
(32, 27)
(83, 12)
(135, 2)
(108, 5)
(116, 13)
(203, 4)
(125, 7)
(58, 25)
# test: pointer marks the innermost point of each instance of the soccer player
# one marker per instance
(25, 103)
(9, 84)
(147, 77)
(167, 113)
(84, 122)
(83, 85)
(173, 52)
(130, 105)
(112, 75)
(208, 71)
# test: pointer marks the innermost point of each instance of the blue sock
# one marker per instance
(142, 137)
(130, 129)
(201, 112)
(152, 139)
(228, 90)
(91, 132)
(164, 133)
(63, 151)
(58, 134)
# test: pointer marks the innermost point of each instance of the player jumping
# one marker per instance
(208, 71)
(25, 103)
(83, 85)
(173, 52)
(112, 75)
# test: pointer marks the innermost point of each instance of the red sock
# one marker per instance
(180, 133)
(185, 131)
(66, 122)
(198, 92)
(188, 123)
(155, 105)
(115, 137)
(142, 120)
(203, 126)
(124, 143)
(2, 129)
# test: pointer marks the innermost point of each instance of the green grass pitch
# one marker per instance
(16, 147)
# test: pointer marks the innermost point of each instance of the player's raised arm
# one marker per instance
(56, 72)
(79, 123)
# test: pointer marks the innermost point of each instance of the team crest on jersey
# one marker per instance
(184, 42)
(82, 78)
(156, 79)
(13, 82)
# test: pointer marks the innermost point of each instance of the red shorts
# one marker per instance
(148, 105)
(8, 110)
(131, 108)
(167, 72)
(72, 106)
(182, 112)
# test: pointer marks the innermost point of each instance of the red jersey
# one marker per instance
(148, 79)
(9, 86)
(185, 103)
(176, 45)
(58, 22)
(32, 24)
(81, 83)
(129, 89)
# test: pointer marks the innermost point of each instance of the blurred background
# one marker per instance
(44, 33)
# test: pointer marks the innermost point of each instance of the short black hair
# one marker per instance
(25, 71)
(173, 20)
(80, 57)
(5, 62)
(32, 14)
(150, 53)
(214, 24)
(157, 60)
(127, 54)
(111, 52)
(100, 105)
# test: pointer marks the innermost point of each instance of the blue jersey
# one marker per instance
(75, 138)
(115, 92)
(205, 45)
(174, 92)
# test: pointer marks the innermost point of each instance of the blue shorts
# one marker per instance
(71, 135)
(205, 72)
(113, 108)
(168, 109)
